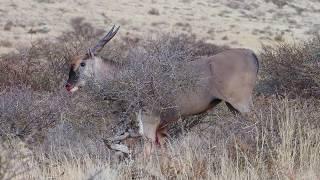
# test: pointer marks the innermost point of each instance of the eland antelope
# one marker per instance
(229, 76)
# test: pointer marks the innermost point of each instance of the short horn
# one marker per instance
(98, 47)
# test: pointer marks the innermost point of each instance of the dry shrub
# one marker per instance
(28, 114)
(158, 69)
(81, 31)
(42, 67)
(154, 72)
(198, 47)
(279, 3)
(8, 26)
(154, 11)
(292, 69)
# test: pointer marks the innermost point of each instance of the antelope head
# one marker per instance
(82, 65)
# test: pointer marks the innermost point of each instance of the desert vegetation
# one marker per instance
(46, 133)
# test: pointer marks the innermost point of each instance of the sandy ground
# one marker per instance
(239, 23)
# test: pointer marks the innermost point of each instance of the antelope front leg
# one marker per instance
(148, 147)
(156, 140)
(148, 126)
(150, 139)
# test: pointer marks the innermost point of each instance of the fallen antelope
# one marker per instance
(229, 76)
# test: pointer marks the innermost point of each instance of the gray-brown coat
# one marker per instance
(229, 76)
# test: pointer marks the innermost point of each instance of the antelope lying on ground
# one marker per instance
(229, 76)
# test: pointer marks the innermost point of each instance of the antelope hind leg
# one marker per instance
(161, 136)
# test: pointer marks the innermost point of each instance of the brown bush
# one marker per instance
(292, 69)
(41, 66)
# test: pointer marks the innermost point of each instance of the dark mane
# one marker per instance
(118, 64)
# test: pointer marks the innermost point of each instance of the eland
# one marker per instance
(228, 76)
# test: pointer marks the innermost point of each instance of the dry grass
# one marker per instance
(284, 146)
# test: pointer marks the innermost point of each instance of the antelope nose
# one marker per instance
(68, 87)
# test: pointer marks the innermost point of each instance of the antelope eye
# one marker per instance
(82, 64)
